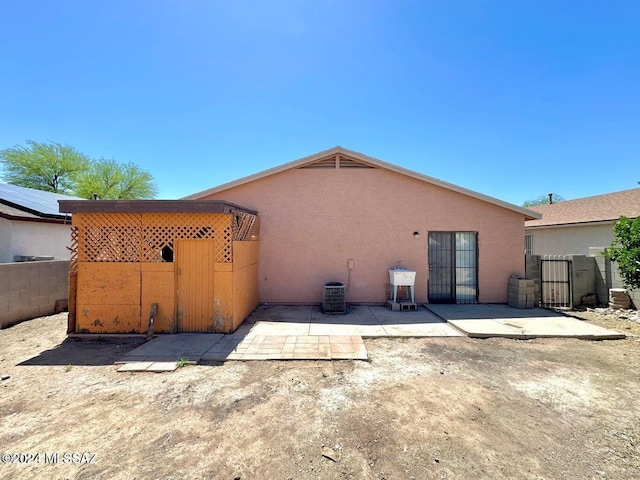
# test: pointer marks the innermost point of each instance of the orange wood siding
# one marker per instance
(120, 271)
(245, 280)
(158, 286)
(223, 299)
(195, 261)
(108, 298)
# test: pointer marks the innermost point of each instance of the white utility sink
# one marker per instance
(402, 277)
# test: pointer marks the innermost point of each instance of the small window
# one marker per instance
(528, 244)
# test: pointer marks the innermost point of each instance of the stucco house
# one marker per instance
(584, 226)
(31, 225)
(339, 215)
(576, 226)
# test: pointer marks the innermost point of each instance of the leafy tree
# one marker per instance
(58, 168)
(49, 166)
(543, 200)
(625, 250)
(110, 180)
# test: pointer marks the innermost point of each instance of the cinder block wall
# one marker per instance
(582, 277)
(608, 276)
(602, 271)
(592, 274)
(532, 271)
(30, 289)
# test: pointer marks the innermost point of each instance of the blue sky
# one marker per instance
(513, 99)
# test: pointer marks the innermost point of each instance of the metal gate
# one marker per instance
(555, 281)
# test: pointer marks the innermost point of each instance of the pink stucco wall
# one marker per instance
(313, 221)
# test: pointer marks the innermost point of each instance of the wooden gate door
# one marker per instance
(194, 262)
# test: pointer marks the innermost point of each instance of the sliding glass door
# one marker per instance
(453, 267)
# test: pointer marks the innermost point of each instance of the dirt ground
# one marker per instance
(420, 408)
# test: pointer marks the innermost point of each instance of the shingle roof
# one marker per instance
(599, 208)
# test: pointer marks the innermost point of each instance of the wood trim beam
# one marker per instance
(151, 206)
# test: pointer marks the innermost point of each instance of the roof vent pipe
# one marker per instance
(550, 198)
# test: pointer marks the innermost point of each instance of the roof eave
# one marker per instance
(570, 224)
(38, 214)
(61, 220)
(151, 206)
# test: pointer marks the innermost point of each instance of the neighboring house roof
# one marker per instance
(350, 159)
(28, 204)
(599, 208)
(7, 211)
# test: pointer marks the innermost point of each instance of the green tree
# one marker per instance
(58, 168)
(625, 250)
(543, 200)
(110, 180)
(48, 166)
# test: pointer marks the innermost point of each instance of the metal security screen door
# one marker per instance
(555, 277)
(453, 267)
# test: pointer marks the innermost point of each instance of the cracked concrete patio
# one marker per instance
(305, 333)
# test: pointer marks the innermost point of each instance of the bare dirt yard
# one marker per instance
(420, 408)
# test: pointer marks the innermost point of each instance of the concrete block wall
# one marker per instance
(522, 292)
(608, 276)
(30, 289)
(532, 271)
(583, 279)
(583, 276)
(602, 270)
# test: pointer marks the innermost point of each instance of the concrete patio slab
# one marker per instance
(183, 345)
(148, 367)
(349, 329)
(134, 366)
(290, 332)
(305, 333)
(262, 327)
(484, 321)
(162, 367)
(282, 313)
(422, 330)
(486, 311)
(422, 316)
(379, 321)
(309, 347)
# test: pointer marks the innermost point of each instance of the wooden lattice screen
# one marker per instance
(246, 227)
(145, 237)
(73, 280)
(160, 230)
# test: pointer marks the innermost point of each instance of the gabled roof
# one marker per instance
(599, 208)
(339, 157)
(30, 204)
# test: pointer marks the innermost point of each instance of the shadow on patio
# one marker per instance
(89, 352)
